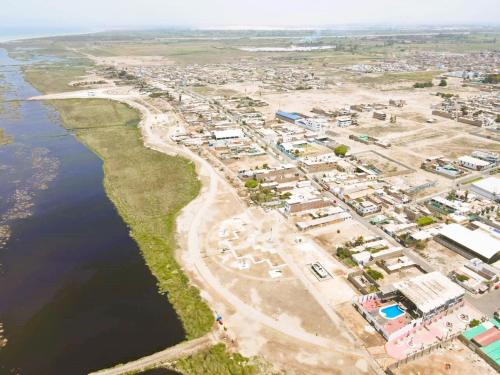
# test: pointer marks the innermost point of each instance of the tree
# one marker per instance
(443, 83)
(341, 150)
(474, 323)
(359, 241)
(452, 195)
(342, 252)
(251, 184)
(424, 220)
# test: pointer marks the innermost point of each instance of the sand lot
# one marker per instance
(460, 360)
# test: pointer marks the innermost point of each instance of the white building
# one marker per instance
(472, 163)
(488, 188)
(314, 125)
(470, 243)
(366, 208)
(344, 121)
(228, 134)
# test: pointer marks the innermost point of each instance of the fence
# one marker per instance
(420, 353)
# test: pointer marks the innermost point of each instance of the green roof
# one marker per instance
(493, 351)
(472, 332)
(495, 322)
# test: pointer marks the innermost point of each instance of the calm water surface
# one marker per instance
(75, 293)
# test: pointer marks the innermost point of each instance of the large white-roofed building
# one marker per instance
(430, 293)
(488, 188)
(470, 243)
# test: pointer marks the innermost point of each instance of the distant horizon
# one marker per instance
(234, 14)
(19, 33)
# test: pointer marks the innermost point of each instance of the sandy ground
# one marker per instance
(460, 360)
(442, 258)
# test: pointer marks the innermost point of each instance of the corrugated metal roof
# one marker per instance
(291, 116)
(477, 241)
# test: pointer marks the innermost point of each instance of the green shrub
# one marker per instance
(474, 323)
(425, 220)
(374, 274)
(342, 252)
(421, 85)
(341, 150)
(251, 184)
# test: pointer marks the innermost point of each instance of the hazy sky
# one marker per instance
(213, 13)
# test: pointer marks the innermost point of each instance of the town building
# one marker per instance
(477, 243)
(228, 134)
(379, 115)
(472, 163)
(488, 188)
(310, 124)
(288, 116)
(344, 121)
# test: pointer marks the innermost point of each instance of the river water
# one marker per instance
(75, 293)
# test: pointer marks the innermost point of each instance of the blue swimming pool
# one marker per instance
(391, 312)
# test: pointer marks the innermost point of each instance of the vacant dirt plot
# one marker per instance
(337, 234)
(442, 258)
(249, 162)
(383, 164)
(455, 359)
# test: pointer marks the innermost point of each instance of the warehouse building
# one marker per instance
(488, 188)
(470, 243)
(472, 163)
(288, 117)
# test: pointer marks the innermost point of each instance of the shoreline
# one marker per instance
(138, 235)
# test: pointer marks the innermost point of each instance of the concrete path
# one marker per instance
(183, 349)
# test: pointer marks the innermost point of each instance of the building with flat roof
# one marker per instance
(430, 293)
(472, 163)
(228, 134)
(488, 188)
(310, 124)
(470, 243)
(288, 116)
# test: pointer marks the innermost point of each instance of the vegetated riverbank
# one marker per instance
(52, 78)
(148, 188)
(216, 361)
(4, 138)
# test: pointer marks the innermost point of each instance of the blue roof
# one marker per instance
(291, 116)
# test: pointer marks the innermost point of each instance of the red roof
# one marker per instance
(488, 337)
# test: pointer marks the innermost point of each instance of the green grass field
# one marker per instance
(149, 189)
(53, 78)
